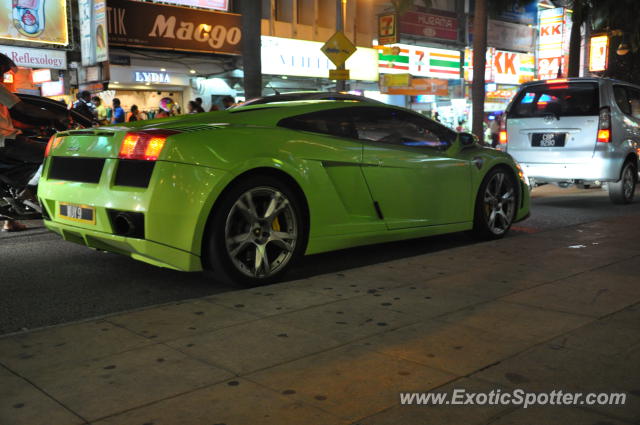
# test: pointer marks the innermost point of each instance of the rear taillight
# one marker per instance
(604, 126)
(503, 139)
(53, 143)
(144, 145)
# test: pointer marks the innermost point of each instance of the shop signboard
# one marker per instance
(36, 58)
(419, 86)
(508, 36)
(158, 26)
(388, 28)
(35, 21)
(93, 31)
(553, 43)
(203, 4)
(291, 57)
(419, 61)
(504, 67)
(151, 77)
(433, 25)
(598, 53)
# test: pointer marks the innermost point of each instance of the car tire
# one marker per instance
(257, 231)
(496, 205)
(623, 191)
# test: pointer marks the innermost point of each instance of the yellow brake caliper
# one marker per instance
(275, 225)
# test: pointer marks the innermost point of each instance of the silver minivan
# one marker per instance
(577, 131)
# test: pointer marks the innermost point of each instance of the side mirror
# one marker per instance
(467, 140)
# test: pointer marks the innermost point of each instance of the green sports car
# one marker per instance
(243, 193)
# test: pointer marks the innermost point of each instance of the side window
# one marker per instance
(400, 128)
(335, 122)
(634, 102)
(620, 95)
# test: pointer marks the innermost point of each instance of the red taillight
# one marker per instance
(604, 136)
(604, 126)
(53, 143)
(557, 81)
(503, 137)
(144, 145)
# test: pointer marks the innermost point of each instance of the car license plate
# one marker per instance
(79, 213)
(548, 140)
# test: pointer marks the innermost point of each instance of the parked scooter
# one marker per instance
(19, 203)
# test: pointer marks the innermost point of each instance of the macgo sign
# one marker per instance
(155, 26)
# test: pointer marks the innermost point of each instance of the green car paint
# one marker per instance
(356, 193)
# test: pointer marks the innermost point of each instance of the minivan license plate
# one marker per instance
(548, 140)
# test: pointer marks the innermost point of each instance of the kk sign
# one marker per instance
(553, 43)
(504, 67)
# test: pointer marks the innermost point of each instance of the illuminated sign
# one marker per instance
(286, 56)
(204, 4)
(8, 78)
(419, 61)
(52, 88)
(553, 43)
(36, 58)
(93, 31)
(420, 86)
(504, 67)
(598, 53)
(40, 76)
(36, 21)
(151, 77)
(388, 28)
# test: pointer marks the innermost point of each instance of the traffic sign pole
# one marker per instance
(341, 85)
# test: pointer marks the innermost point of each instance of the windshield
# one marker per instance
(561, 100)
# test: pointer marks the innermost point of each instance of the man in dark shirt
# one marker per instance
(83, 105)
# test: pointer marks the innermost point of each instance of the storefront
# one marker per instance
(299, 65)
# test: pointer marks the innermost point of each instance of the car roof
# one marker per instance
(306, 96)
(579, 79)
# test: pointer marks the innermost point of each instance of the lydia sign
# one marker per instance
(151, 77)
(155, 26)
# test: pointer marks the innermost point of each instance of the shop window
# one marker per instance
(327, 13)
(284, 10)
(305, 12)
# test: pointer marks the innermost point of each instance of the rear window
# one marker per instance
(560, 100)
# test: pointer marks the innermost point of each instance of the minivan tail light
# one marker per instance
(503, 137)
(604, 126)
(144, 145)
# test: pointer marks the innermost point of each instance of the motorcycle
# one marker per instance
(18, 203)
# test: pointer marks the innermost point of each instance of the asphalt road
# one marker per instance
(46, 281)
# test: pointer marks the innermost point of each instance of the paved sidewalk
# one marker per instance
(549, 311)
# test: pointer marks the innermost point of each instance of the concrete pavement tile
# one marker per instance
(516, 320)
(549, 367)
(237, 402)
(422, 302)
(253, 346)
(442, 414)
(23, 404)
(485, 283)
(594, 294)
(269, 300)
(47, 348)
(606, 336)
(555, 415)
(180, 320)
(346, 320)
(350, 382)
(114, 384)
(446, 346)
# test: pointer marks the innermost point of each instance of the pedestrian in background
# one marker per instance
(101, 111)
(228, 102)
(199, 102)
(134, 115)
(194, 108)
(83, 105)
(118, 112)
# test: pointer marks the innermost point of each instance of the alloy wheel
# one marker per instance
(499, 203)
(628, 182)
(261, 232)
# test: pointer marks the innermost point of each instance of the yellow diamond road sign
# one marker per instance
(338, 48)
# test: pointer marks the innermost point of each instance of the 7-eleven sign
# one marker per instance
(387, 28)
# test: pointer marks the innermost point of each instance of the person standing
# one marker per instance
(135, 114)
(83, 105)
(118, 112)
(101, 110)
(228, 102)
(194, 108)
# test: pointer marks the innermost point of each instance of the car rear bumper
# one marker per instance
(592, 170)
(139, 249)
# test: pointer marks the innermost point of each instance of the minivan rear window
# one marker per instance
(560, 100)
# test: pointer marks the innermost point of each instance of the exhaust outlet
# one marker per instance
(128, 224)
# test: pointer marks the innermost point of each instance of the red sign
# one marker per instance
(549, 68)
(429, 25)
(387, 29)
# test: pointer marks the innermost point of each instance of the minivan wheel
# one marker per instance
(623, 191)
(496, 205)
